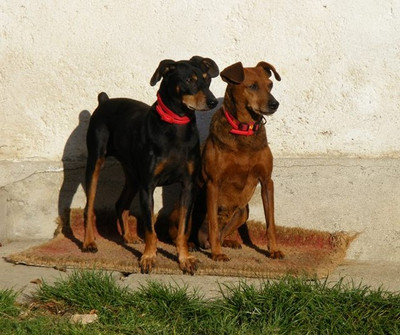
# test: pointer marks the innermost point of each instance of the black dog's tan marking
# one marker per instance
(155, 146)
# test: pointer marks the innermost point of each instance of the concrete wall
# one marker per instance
(340, 68)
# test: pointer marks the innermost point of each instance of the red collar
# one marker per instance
(241, 128)
(168, 115)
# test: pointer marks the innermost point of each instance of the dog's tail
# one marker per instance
(102, 97)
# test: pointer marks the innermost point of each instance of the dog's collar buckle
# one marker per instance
(241, 128)
(168, 115)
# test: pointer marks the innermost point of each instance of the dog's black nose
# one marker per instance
(212, 103)
(273, 104)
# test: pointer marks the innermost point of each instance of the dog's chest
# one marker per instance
(237, 189)
(173, 167)
(241, 175)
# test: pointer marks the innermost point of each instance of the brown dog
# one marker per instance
(237, 157)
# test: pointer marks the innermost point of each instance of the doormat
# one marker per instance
(308, 253)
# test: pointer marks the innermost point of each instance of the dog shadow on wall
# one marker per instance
(72, 189)
(111, 179)
(73, 160)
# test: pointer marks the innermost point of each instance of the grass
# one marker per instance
(288, 306)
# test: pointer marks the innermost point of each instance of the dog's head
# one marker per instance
(252, 87)
(187, 82)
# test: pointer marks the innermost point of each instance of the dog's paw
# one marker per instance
(220, 258)
(277, 254)
(132, 239)
(204, 245)
(232, 244)
(192, 246)
(90, 247)
(203, 241)
(147, 262)
(188, 264)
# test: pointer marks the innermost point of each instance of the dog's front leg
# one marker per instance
(267, 194)
(187, 262)
(213, 227)
(148, 259)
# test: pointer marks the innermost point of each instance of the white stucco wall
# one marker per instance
(339, 62)
(339, 100)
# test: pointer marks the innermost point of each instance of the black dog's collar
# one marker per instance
(168, 115)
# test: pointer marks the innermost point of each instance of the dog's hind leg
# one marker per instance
(239, 217)
(93, 171)
(123, 206)
(96, 144)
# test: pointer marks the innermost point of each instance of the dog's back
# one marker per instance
(113, 126)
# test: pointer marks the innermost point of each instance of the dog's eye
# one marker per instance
(191, 80)
(253, 87)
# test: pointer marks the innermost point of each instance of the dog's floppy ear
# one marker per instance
(164, 67)
(207, 65)
(233, 74)
(268, 68)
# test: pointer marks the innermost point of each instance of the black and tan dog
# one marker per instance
(157, 145)
(237, 157)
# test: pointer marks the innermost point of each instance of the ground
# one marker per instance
(23, 278)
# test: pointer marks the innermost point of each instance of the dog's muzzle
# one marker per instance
(273, 105)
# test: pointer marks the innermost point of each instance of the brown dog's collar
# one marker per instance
(241, 128)
(168, 115)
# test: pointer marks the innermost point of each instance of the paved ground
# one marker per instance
(20, 277)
